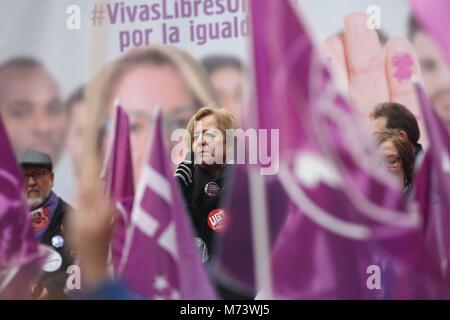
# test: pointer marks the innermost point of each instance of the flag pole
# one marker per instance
(258, 210)
(260, 233)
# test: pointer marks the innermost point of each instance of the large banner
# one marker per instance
(50, 49)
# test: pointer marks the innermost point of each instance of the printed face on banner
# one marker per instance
(75, 133)
(228, 82)
(435, 72)
(140, 91)
(32, 111)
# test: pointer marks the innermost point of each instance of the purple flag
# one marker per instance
(433, 16)
(20, 257)
(348, 233)
(434, 195)
(119, 182)
(160, 260)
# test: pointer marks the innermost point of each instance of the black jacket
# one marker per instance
(55, 281)
(200, 205)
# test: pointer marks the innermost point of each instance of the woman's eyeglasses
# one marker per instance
(392, 161)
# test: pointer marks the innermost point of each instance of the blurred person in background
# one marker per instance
(391, 115)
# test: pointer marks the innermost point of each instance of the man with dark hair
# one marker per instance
(48, 215)
(31, 107)
(391, 115)
(434, 67)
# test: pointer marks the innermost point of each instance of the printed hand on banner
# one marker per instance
(370, 73)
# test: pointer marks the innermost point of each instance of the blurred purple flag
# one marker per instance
(348, 233)
(433, 17)
(160, 260)
(119, 182)
(433, 194)
(20, 257)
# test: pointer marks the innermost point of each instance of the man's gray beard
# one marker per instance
(35, 203)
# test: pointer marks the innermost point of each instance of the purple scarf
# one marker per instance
(42, 216)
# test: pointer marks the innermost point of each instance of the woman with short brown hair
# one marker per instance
(399, 156)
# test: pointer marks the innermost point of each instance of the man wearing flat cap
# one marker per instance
(48, 214)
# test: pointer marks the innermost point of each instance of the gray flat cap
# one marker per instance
(36, 158)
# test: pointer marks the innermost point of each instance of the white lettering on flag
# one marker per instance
(167, 241)
(312, 169)
(145, 222)
(445, 162)
(158, 184)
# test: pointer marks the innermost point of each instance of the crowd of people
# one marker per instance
(205, 99)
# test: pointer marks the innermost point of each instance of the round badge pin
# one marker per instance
(217, 220)
(53, 261)
(212, 189)
(57, 241)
